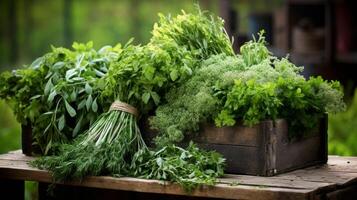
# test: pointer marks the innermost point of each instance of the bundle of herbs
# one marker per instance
(113, 145)
(58, 94)
(249, 87)
(135, 83)
(200, 32)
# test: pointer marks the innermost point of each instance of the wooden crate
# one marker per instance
(265, 149)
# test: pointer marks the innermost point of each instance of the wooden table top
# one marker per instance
(300, 184)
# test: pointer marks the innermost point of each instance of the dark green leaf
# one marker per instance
(95, 105)
(52, 96)
(70, 109)
(35, 97)
(58, 65)
(48, 146)
(77, 127)
(89, 102)
(61, 123)
(37, 63)
(146, 97)
(88, 88)
(73, 96)
(155, 97)
(174, 75)
(48, 87)
(82, 104)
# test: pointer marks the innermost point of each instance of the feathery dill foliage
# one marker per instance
(192, 102)
(141, 76)
(250, 87)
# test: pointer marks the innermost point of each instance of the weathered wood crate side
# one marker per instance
(265, 149)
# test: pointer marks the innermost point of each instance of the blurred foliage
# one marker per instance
(10, 135)
(343, 132)
(34, 25)
(31, 189)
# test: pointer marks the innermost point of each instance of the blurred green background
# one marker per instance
(29, 27)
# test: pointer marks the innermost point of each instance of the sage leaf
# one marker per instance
(95, 105)
(89, 102)
(52, 96)
(88, 88)
(70, 109)
(48, 87)
(61, 123)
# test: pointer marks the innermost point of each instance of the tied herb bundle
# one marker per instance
(106, 148)
(138, 79)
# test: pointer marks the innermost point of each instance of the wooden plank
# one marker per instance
(154, 186)
(19, 170)
(339, 170)
(300, 184)
(273, 182)
(342, 164)
(322, 176)
(234, 135)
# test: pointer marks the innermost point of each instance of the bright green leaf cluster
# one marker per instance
(249, 87)
(189, 167)
(59, 92)
(200, 32)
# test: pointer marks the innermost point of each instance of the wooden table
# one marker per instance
(336, 180)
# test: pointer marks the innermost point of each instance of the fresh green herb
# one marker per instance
(140, 76)
(189, 167)
(250, 87)
(193, 102)
(201, 33)
(59, 92)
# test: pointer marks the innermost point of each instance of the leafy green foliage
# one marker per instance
(342, 132)
(101, 151)
(200, 32)
(192, 102)
(189, 167)
(256, 102)
(250, 87)
(139, 76)
(142, 74)
(58, 92)
(10, 132)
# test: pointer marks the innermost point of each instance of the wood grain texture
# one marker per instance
(232, 135)
(300, 184)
